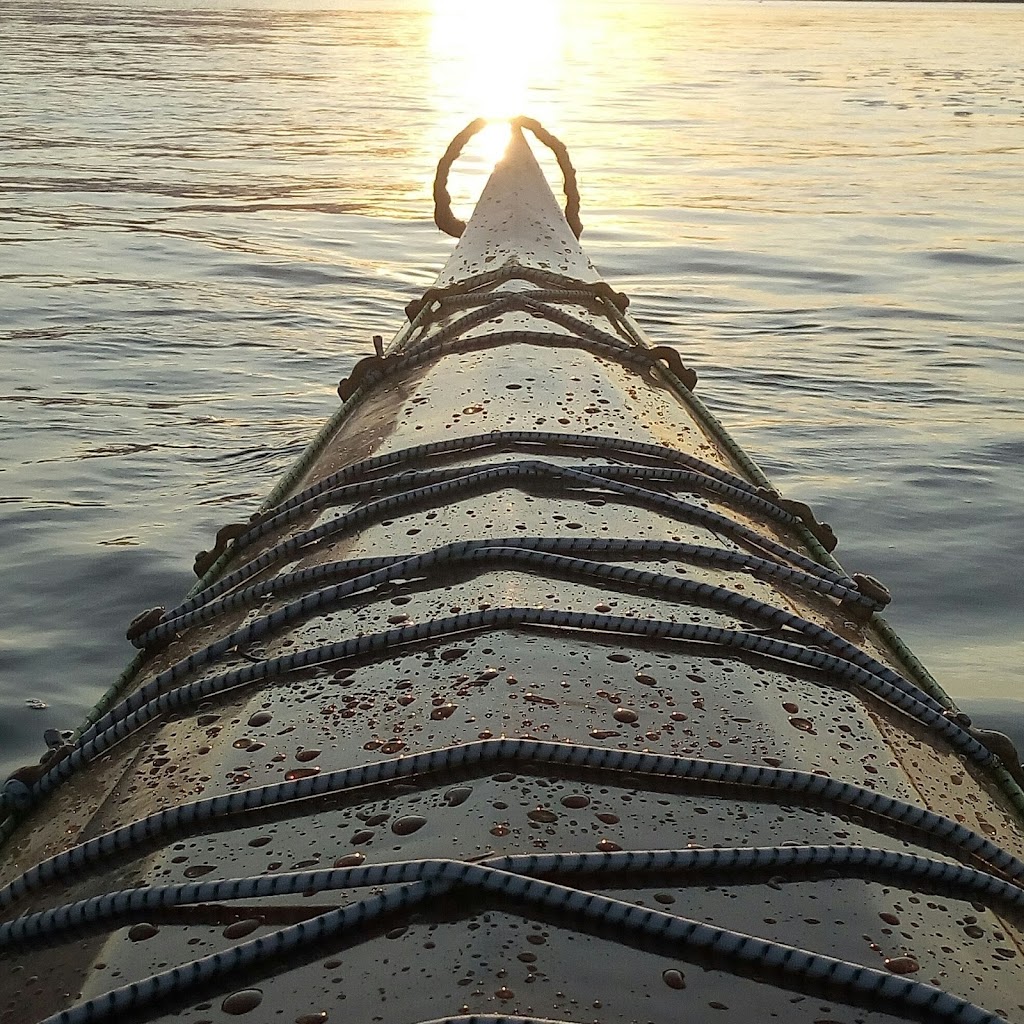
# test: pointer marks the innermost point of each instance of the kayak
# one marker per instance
(523, 697)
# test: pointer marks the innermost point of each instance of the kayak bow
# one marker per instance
(524, 697)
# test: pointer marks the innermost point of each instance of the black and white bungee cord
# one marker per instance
(929, 826)
(497, 476)
(877, 678)
(698, 554)
(153, 700)
(643, 867)
(682, 479)
(527, 557)
(503, 440)
(415, 883)
(846, 662)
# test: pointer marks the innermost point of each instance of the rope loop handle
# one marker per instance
(451, 225)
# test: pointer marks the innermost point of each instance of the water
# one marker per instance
(208, 209)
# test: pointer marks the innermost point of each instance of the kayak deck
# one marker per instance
(573, 718)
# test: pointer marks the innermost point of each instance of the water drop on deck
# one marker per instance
(576, 801)
(243, 1001)
(902, 964)
(239, 929)
(408, 824)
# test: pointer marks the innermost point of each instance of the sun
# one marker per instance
(495, 60)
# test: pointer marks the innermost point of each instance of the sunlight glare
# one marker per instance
(488, 58)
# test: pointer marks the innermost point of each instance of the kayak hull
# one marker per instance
(550, 615)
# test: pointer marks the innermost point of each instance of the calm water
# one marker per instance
(208, 209)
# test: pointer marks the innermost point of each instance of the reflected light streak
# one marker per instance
(488, 59)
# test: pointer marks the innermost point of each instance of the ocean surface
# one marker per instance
(207, 210)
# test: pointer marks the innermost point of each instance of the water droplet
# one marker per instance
(260, 841)
(803, 724)
(974, 931)
(457, 795)
(643, 677)
(307, 755)
(300, 773)
(607, 846)
(607, 818)
(674, 979)
(626, 715)
(408, 824)
(452, 653)
(364, 835)
(790, 708)
(902, 964)
(889, 918)
(350, 860)
(576, 801)
(505, 993)
(141, 932)
(312, 1018)
(619, 657)
(444, 711)
(239, 929)
(198, 870)
(542, 814)
(243, 1001)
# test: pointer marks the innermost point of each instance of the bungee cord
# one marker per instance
(152, 700)
(644, 867)
(736, 951)
(491, 477)
(682, 479)
(698, 554)
(928, 825)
